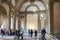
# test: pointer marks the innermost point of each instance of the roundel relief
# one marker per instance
(22, 16)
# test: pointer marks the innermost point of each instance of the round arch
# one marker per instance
(2, 9)
(40, 5)
(37, 4)
(32, 5)
(3, 17)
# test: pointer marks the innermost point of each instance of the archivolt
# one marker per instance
(40, 5)
(2, 10)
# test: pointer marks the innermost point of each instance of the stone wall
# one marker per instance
(56, 12)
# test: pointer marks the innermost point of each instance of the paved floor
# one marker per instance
(26, 37)
(22, 39)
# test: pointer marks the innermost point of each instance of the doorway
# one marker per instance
(32, 21)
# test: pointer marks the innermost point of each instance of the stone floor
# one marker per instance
(26, 37)
(21, 39)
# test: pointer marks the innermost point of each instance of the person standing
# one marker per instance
(43, 32)
(21, 33)
(31, 32)
(35, 33)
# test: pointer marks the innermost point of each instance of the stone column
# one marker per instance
(9, 15)
(19, 22)
(39, 23)
(16, 23)
(47, 21)
(59, 14)
(42, 18)
(9, 21)
(25, 23)
(51, 17)
(42, 24)
(0, 20)
(12, 23)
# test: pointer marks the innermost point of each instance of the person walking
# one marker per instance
(43, 32)
(31, 32)
(21, 33)
(35, 33)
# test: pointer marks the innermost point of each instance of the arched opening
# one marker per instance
(3, 18)
(35, 15)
